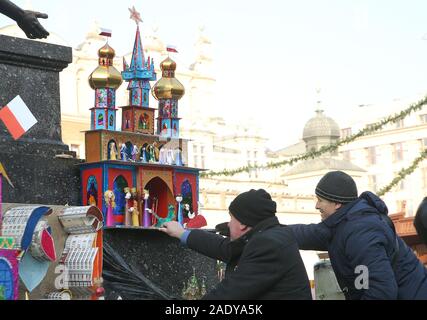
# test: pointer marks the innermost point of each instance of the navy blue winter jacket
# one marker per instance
(355, 236)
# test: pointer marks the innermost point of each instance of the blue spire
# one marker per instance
(139, 68)
(138, 59)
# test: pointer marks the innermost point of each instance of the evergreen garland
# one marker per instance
(403, 173)
(369, 129)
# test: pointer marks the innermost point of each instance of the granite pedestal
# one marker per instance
(153, 255)
(39, 164)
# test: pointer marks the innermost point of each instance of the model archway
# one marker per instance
(160, 196)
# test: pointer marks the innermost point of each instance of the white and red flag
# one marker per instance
(105, 32)
(171, 48)
(17, 118)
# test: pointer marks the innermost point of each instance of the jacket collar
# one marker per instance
(238, 244)
(335, 218)
(367, 201)
(263, 225)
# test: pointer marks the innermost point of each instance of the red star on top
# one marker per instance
(135, 15)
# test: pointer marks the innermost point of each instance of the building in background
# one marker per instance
(384, 153)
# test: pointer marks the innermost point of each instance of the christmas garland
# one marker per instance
(369, 129)
(403, 173)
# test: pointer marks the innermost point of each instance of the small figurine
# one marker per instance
(129, 205)
(134, 210)
(151, 158)
(135, 152)
(156, 152)
(169, 157)
(196, 221)
(113, 150)
(146, 215)
(186, 212)
(110, 202)
(123, 154)
(143, 155)
(170, 217)
(154, 203)
(178, 157)
(162, 156)
(180, 216)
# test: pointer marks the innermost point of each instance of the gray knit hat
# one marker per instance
(337, 186)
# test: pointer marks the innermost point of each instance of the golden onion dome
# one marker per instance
(106, 52)
(168, 65)
(168, 87)
(105, 75)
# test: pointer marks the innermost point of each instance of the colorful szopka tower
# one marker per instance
(168, 90)
(138, 117)
(143, 176)
(105, 79)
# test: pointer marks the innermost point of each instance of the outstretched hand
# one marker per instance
(30, 24)
(173, 229)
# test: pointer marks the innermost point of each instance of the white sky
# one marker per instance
(271, 55)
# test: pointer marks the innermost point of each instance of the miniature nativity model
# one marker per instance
(138, 176)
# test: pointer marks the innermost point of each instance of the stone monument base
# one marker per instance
(154, 256)
(41, 173)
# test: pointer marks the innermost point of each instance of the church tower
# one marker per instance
(105, 80)
(168, 90)
(138, 116)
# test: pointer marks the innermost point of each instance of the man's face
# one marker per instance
(236, 228)
(326, 207)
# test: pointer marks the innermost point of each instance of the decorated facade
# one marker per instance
(138, 175)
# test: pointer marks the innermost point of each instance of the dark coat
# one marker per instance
(356, 235)
(265, 263)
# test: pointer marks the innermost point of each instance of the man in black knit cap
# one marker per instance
(262, 257)
(369, 260)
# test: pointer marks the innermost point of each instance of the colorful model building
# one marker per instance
(137, 174)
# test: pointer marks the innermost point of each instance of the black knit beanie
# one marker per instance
(337, 186)
(420, 221)
(252, 207)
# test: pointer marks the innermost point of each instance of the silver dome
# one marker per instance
(321, 126)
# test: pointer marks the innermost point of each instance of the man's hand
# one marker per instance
(30, 24)
(173, 229)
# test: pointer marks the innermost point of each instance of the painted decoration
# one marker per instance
(9, 276)
(100, 119)
(111, 120)
(92, 191)
(187, 198)
(127, 120)
(119, 185)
